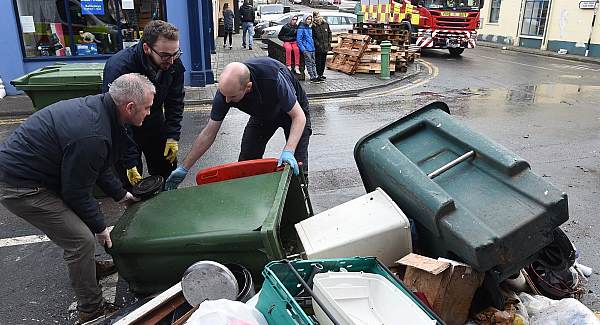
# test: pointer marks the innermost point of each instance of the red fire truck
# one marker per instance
(446, 24)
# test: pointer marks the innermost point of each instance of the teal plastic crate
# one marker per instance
(276, 301)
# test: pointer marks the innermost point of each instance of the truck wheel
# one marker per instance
(456, 51)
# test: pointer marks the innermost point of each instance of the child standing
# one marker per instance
(307, 47)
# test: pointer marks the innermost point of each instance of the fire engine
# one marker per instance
(438, 24)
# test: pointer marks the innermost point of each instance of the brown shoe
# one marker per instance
(104, 269)
(104, 311)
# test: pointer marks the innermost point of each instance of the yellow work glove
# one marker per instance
(133, 175)
(171, 149)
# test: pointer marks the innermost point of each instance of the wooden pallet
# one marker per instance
(393, 32)
(347, 54)
(373, 68)
(370, 62)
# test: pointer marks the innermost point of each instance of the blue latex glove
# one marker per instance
(287, 156)
(176, 177)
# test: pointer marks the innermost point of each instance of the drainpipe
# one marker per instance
(545, 36)
(587, 47)
(519, 24)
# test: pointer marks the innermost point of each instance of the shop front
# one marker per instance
(38, 33)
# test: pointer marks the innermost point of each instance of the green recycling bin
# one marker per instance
(60, 81)
(471, 199)
(247, 221)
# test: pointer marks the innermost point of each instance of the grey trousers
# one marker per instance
(309, 62)
(46, 211)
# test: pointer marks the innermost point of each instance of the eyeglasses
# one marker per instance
(167, 56)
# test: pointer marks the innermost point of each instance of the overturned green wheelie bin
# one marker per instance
(247, 221)
(471, 199)
(61, 81)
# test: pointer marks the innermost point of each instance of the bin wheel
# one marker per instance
(457, 51)
(559, 255)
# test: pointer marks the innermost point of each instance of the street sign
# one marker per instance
(587, 4)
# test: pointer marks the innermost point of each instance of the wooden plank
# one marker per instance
(349, 52)
(186, 316)
(424, 263)
(158, 314)
(164, 298)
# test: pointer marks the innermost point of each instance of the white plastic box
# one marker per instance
(370, 225)
(357, 298)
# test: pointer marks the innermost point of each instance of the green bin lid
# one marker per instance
(207, 213)
(62, 75)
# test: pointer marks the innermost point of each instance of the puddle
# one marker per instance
(545, 94)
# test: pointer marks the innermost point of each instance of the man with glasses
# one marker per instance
(157, 57)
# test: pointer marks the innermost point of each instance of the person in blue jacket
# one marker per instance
(304, 37)
(50, 164)
(267, 91)
(157, 57)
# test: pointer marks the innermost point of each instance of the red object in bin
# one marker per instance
(237, 170)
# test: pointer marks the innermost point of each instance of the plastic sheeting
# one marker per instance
(226, 312)
(545, 311)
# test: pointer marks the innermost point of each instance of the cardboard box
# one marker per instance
(449, 286)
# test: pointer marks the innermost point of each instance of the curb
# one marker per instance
(570, 57)
(333, 94)
(206, 101)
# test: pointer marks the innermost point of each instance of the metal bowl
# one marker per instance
(208, 280)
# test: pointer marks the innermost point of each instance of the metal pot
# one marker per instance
(208, 280)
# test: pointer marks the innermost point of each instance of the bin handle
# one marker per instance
(451, 164)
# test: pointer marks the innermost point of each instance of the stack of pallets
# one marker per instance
(371, 60)
(348, 52)
(396, 33)
(349, 57)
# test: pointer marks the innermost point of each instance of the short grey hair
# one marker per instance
(130, 87)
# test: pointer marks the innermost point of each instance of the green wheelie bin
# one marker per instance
(247, 221)
(60, 81)
(470, 198)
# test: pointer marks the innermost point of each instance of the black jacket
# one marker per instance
(322, 37)
(247, 13)
(288, 33)
(169, 95)
(228, 18)
(68, 147)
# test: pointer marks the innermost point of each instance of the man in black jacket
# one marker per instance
(157, 57)
(322, 38)
(50, 164)
(247, 18)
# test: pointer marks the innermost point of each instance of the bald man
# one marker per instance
(266, 90)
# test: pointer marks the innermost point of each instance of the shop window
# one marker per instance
(495, 11)
(534, 17)
(83, 27)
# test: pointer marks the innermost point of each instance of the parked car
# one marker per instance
(339, 22)
(282, 20)
(268, 12)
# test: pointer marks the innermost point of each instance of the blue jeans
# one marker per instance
(248, 26)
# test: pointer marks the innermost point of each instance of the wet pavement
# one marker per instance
(544, 109)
